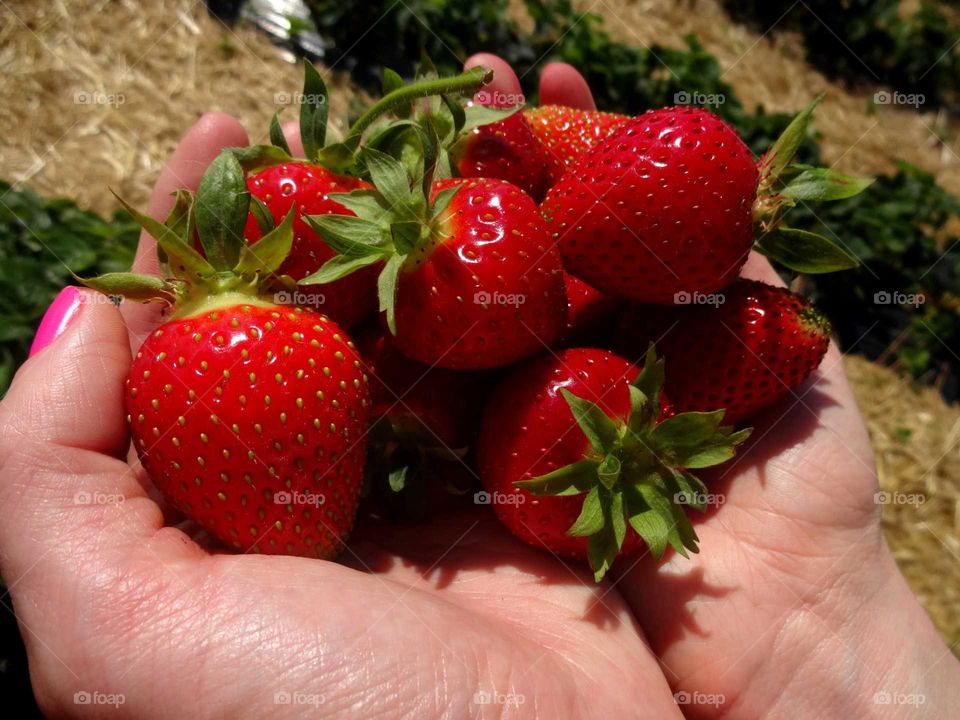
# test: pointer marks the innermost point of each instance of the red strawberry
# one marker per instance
(307, 186)
(662, 206)
(506, 150)
(743, 354)
(589, 312)
(572, 451)
(250, 417)
(567, 133)
(470, 279)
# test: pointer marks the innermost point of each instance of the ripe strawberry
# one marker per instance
(470, 280)
(575, 447)
(247, 415)
(662, 206)
(505, 150)
(589, 312)
(744, 354)
(306, 187)
(567, 133)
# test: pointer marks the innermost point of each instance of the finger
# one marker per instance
(504, 82)
(759, 268)
(562, 84)
(62, 431)
(291, 131)
(202, 143)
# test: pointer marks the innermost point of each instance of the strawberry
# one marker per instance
(506, 150)
(576, 450)
(248, 416)
(589, 312)
(470, 279)
(667, 203)
(567, 133)
(306, 187)
(745, 352)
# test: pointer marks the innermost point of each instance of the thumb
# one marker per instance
(62, 434)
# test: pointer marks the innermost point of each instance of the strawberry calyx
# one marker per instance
(635, 472)
(395, 222)
(342, 156)
(783, 185)
(228, 268)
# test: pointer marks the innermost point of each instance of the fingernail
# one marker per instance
(57, 318)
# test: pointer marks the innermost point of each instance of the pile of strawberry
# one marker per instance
(477, 298)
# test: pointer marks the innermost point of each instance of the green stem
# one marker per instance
(467, 83)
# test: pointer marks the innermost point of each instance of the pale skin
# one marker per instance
(794, 608)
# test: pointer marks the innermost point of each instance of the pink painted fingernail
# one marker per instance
(57, 318)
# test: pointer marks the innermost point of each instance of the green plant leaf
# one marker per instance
(824, 184)
(686, 430)
(132, 286)
(651, 519)
(387, 289)
(277, 138)
(571, 479)
(782, 152)
(261, 213)
(258, 157)
(406, 235)
(368, 204)
(389, 177)
(397, 478)
(476, 115)
(349, 235)
(338, 267)
(391, 81)
(592, 517)
(600, 430)
(222, 205)
(804, 251)
(268, 253)
(714, 451)
(313, 111)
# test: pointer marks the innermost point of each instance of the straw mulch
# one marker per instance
(170, 62)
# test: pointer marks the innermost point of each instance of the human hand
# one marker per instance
(119, 607)
(794, 607)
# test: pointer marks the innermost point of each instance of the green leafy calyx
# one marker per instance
(636, 471)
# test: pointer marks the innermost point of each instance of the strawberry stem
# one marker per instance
(466, 83)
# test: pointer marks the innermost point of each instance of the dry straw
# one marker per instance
(95, 95)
